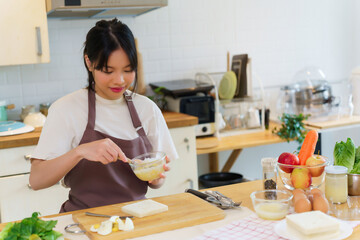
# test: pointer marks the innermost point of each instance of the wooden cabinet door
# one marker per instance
(24, 32)
(18, 201)
(183, 173)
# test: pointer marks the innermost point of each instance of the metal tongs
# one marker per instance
(216, 198)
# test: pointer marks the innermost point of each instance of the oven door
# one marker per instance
(202, 107)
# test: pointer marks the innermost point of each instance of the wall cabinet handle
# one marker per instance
(38, 37)
(27, 157)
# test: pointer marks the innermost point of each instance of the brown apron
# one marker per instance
(94, 184)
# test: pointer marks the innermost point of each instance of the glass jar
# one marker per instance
(336, 184)
(44, 107)
(269, 176)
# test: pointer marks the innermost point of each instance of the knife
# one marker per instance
(103, 215)
(203, 196)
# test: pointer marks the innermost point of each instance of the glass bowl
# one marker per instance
(148, 166)
(302, 176)
(271, 204)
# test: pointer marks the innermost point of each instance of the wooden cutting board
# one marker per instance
(334, 123)
(184, 210)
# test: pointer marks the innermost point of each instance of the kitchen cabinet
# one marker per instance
(24, 32)
(17, 199)
(183, 172)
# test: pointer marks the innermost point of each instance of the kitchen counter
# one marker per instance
(173, 120)
(238, 192)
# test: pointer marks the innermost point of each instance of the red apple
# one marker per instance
(301, 178)
(313, 161)
(289, 159)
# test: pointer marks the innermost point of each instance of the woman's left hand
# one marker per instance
(156, 183)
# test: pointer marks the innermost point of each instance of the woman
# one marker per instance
(90, 133)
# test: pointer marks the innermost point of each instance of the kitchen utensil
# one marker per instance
(35, 119)
(148, 166)
(271, 209)
(8, 128)
(25, 110)
(220, 179)
(355, 82)
(354, 184)
(104, 215)
(227, 86)
(317, 173)
(216, 198)
(3, 113)
(185, 210)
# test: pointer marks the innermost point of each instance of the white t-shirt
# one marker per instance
(68, 117)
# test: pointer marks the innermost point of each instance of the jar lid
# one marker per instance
(336, 169)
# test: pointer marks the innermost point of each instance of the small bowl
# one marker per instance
(302, 176)
(148, 166)
(354, 184)
(271, 204)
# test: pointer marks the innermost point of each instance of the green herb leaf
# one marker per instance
(292, 128)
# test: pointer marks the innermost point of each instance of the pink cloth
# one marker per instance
(252, 228)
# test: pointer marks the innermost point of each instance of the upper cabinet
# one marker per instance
(24, 32)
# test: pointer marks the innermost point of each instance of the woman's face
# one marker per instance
(111, 83)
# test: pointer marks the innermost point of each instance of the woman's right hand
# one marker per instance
(104, 151)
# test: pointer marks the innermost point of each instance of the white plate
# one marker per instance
(282, 229)
(25, 129)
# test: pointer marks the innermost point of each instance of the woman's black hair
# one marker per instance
(104, 38)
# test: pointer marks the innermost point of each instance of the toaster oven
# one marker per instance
(202, 107)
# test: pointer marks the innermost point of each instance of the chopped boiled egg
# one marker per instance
(129, 225)
(114, 218)
(105, 228)
(95, 227)
(121, 224)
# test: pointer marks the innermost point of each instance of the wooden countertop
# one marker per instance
(173, 120)
(239, 192)
(236, 141)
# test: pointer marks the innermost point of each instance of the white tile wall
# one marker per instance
(189, 36)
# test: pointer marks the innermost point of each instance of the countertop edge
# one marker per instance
(172, 119)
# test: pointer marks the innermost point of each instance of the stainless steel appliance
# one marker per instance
(100, 8)
(190, 97)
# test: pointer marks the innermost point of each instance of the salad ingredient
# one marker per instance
(288, 159)
(301, 178)
(129, 225)
(344, 154)
(30, 228)
(312, 162)
(308, 146)
(320, 203)
(272, 211)
(313, 222)
(105, 228)
(144, 208)
(302, 205)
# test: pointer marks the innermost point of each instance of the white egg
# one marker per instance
(94, 228)
(129, 225)
(113, 218)
(105, 228)
(121, 224)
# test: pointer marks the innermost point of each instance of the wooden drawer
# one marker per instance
(18, 200)
(13, 160)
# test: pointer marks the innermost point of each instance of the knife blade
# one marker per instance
(105, 216)
(203, 196)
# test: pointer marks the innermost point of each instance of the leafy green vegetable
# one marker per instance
(292, 128)
(5, 231)
(356, 167)
(344, 154)
(31, 228)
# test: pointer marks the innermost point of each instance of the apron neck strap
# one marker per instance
(134, 116)
(91, 109)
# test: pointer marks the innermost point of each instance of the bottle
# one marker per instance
(269, 176)
(336, 184)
